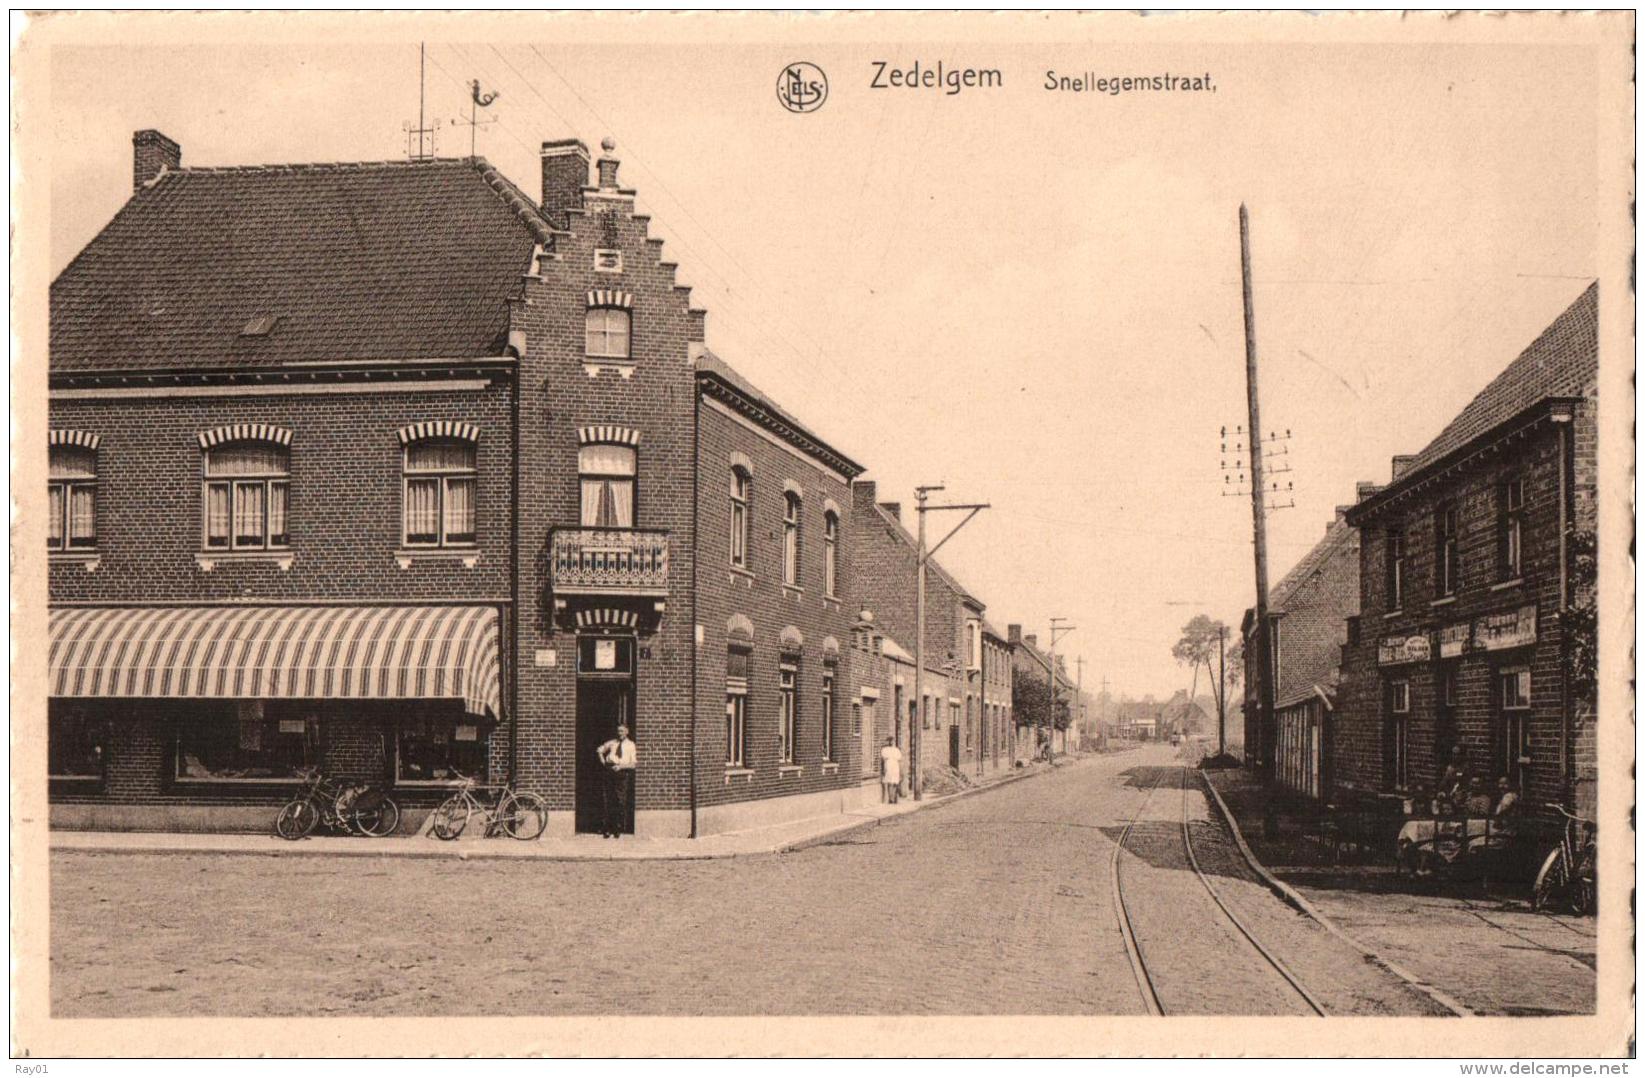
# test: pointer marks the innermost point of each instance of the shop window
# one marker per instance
(72, 488)
(246, 491)
(248, 741)
(439, 744)
(440, 477)
(736, 708)
(76, 740)
(605, 333)
(1399, 729)
(788, 713)
(741, 484)
(1514, 703)
(607, 476)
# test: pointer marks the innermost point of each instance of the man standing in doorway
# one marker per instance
(618, 757)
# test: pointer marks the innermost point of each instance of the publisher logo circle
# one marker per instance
(802, 87)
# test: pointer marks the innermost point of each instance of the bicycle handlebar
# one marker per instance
(1568, 815)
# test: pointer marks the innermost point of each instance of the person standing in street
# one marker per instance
(890, 772)
(619, 757)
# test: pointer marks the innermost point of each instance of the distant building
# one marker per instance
(1032, 664)
(1308, 612)
(1465, 648)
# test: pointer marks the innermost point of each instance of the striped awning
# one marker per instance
(278, 652)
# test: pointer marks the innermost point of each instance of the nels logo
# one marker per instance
(802, 87)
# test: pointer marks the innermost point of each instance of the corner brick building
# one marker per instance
(391, 469)
(1464, 644)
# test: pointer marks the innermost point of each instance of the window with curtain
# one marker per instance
(439, 493)
(736, 708)
(72, 483)
(605, 333)
(1513, 514)
(831, 554)
(246, 492)
(791, 539)
(741, 483)
(607, 475)
(828, 713)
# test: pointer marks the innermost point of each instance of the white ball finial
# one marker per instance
(608, 144)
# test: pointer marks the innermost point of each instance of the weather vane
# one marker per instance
(477, 102)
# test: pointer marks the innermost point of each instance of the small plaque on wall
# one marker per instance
(544, 657)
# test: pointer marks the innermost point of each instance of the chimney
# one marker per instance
(894, 508)
(1364, 489)
(1342, 513)
(1032, 640)
(565, 174)
(1402, 464)
(608, 165)
(1013, 634)
(152, 154)
(862, 496)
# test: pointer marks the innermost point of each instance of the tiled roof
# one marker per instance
(1338, 535)
(379, 260)
(1562, 362)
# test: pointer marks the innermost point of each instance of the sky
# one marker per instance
(1030, 297)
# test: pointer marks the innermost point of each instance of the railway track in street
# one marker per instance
(1147, 977)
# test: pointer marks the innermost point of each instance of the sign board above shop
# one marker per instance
(1513, 629)
(1453, 639)
(1392, 650)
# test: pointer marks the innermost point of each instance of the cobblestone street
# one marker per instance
(999, 903)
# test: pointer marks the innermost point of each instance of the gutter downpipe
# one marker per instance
(696, 649)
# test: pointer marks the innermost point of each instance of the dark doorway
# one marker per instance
(605, 697)
(954, 747)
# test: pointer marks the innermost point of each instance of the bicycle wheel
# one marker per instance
(297, 819)
(1550, 880)
(378, 820)
(450, 818)
(524, 816)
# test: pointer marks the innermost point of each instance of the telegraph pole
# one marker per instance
(1079, 692)
(922, 556)
(1222, 690)
(1259, 526)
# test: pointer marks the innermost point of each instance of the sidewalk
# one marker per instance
(1483, 953)
(793, 835)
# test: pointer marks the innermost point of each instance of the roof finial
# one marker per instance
(608, 144)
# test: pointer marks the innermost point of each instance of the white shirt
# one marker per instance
(891, 764)
(619, 755)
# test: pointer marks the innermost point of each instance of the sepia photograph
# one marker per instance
(1083, 534)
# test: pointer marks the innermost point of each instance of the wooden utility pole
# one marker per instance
(1222, 690)
(922, 555)
(1259, 526)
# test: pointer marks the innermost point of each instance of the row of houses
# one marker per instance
(395, 470)
(1446, 616)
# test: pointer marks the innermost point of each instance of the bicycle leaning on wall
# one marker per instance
(363, 810)
(1567, 877)
(501, 808)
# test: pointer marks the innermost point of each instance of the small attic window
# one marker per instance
(261, 326)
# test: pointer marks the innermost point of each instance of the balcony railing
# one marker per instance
(609, 561)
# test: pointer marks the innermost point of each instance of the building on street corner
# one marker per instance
(390, 469)
(1470, 644)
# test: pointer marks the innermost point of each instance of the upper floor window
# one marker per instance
(1513, 513)
(1445, 550)
(791, 539)
(607, 476)
(1396, 568)
(439, 492)
(605, 332)
(741, 483)
(246, 491)
(831, 554)
(973, 644)
(73, 498)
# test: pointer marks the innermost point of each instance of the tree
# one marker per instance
(1031, 698)
(1203, 643)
